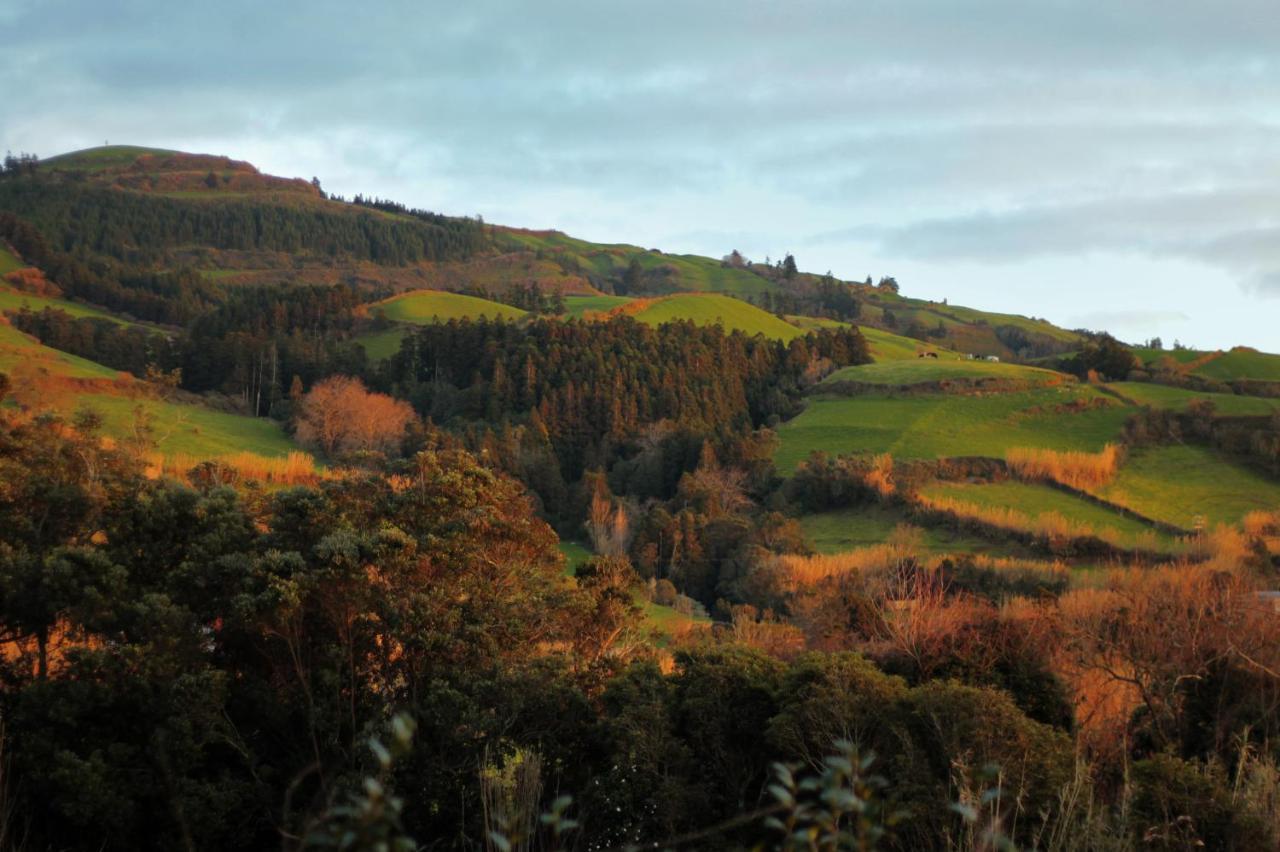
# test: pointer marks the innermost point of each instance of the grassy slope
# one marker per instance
(12, 300)
(9, 262)
(181, 428)
(709, 309)
(920, 370)
(688, 272)
(1242, 364)
(941, 425)
(887, 346)
(426, 306)
(847, 529)
(1177, 483)
(17, 348)
(192, 429)
(1036, 500)
(1164, 396)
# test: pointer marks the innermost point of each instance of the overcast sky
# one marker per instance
(1102, 163)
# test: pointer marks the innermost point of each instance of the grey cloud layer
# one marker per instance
(925, 129)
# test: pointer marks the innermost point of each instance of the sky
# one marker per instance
(1102, 164)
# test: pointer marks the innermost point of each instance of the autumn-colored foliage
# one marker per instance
(339, 415)
(1079, 470)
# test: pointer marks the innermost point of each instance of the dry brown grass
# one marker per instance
(1077, 469)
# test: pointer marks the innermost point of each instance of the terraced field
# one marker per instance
(944, 425)
(712, 309)
(925, 370)
(1176, 484)
(1039, 500)
(1177, 399)
(864, 526)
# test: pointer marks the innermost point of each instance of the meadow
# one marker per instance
(1178, 483)
(17, 349)
(924, 370)
(380, 345)
(1036, 501)
(711, 309)
(864, 526)
(1177, 399)
(190, 430)
(1241, 364)
(426, 306)
(944, 425)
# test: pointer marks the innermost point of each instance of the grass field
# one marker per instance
(17, 348)
(864, 526)
(941, 425)
(710, 309)
(9, 262)
(1175, 484)
(921, 370)
(427, 306)
(1242, 364)
(12, 300)
(1037, 500)
(191, 429)
(577, 306)
(1163, 396)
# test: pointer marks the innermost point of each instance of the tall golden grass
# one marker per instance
(297, 468)
(1079, 470)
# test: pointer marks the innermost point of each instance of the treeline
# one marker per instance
(170, 298)
(595, 388)
(131, 226)
(825, 298)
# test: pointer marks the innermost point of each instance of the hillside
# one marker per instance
(710, 309)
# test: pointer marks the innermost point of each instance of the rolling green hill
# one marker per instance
(579, 306)
(711, 309)
(425, 306)
(1241, 363)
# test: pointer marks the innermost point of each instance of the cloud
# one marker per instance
(921, 130)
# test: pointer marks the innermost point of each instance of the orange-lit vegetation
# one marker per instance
(1080, 470)
(296, 468)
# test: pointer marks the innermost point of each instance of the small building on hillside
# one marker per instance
(994, 358)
